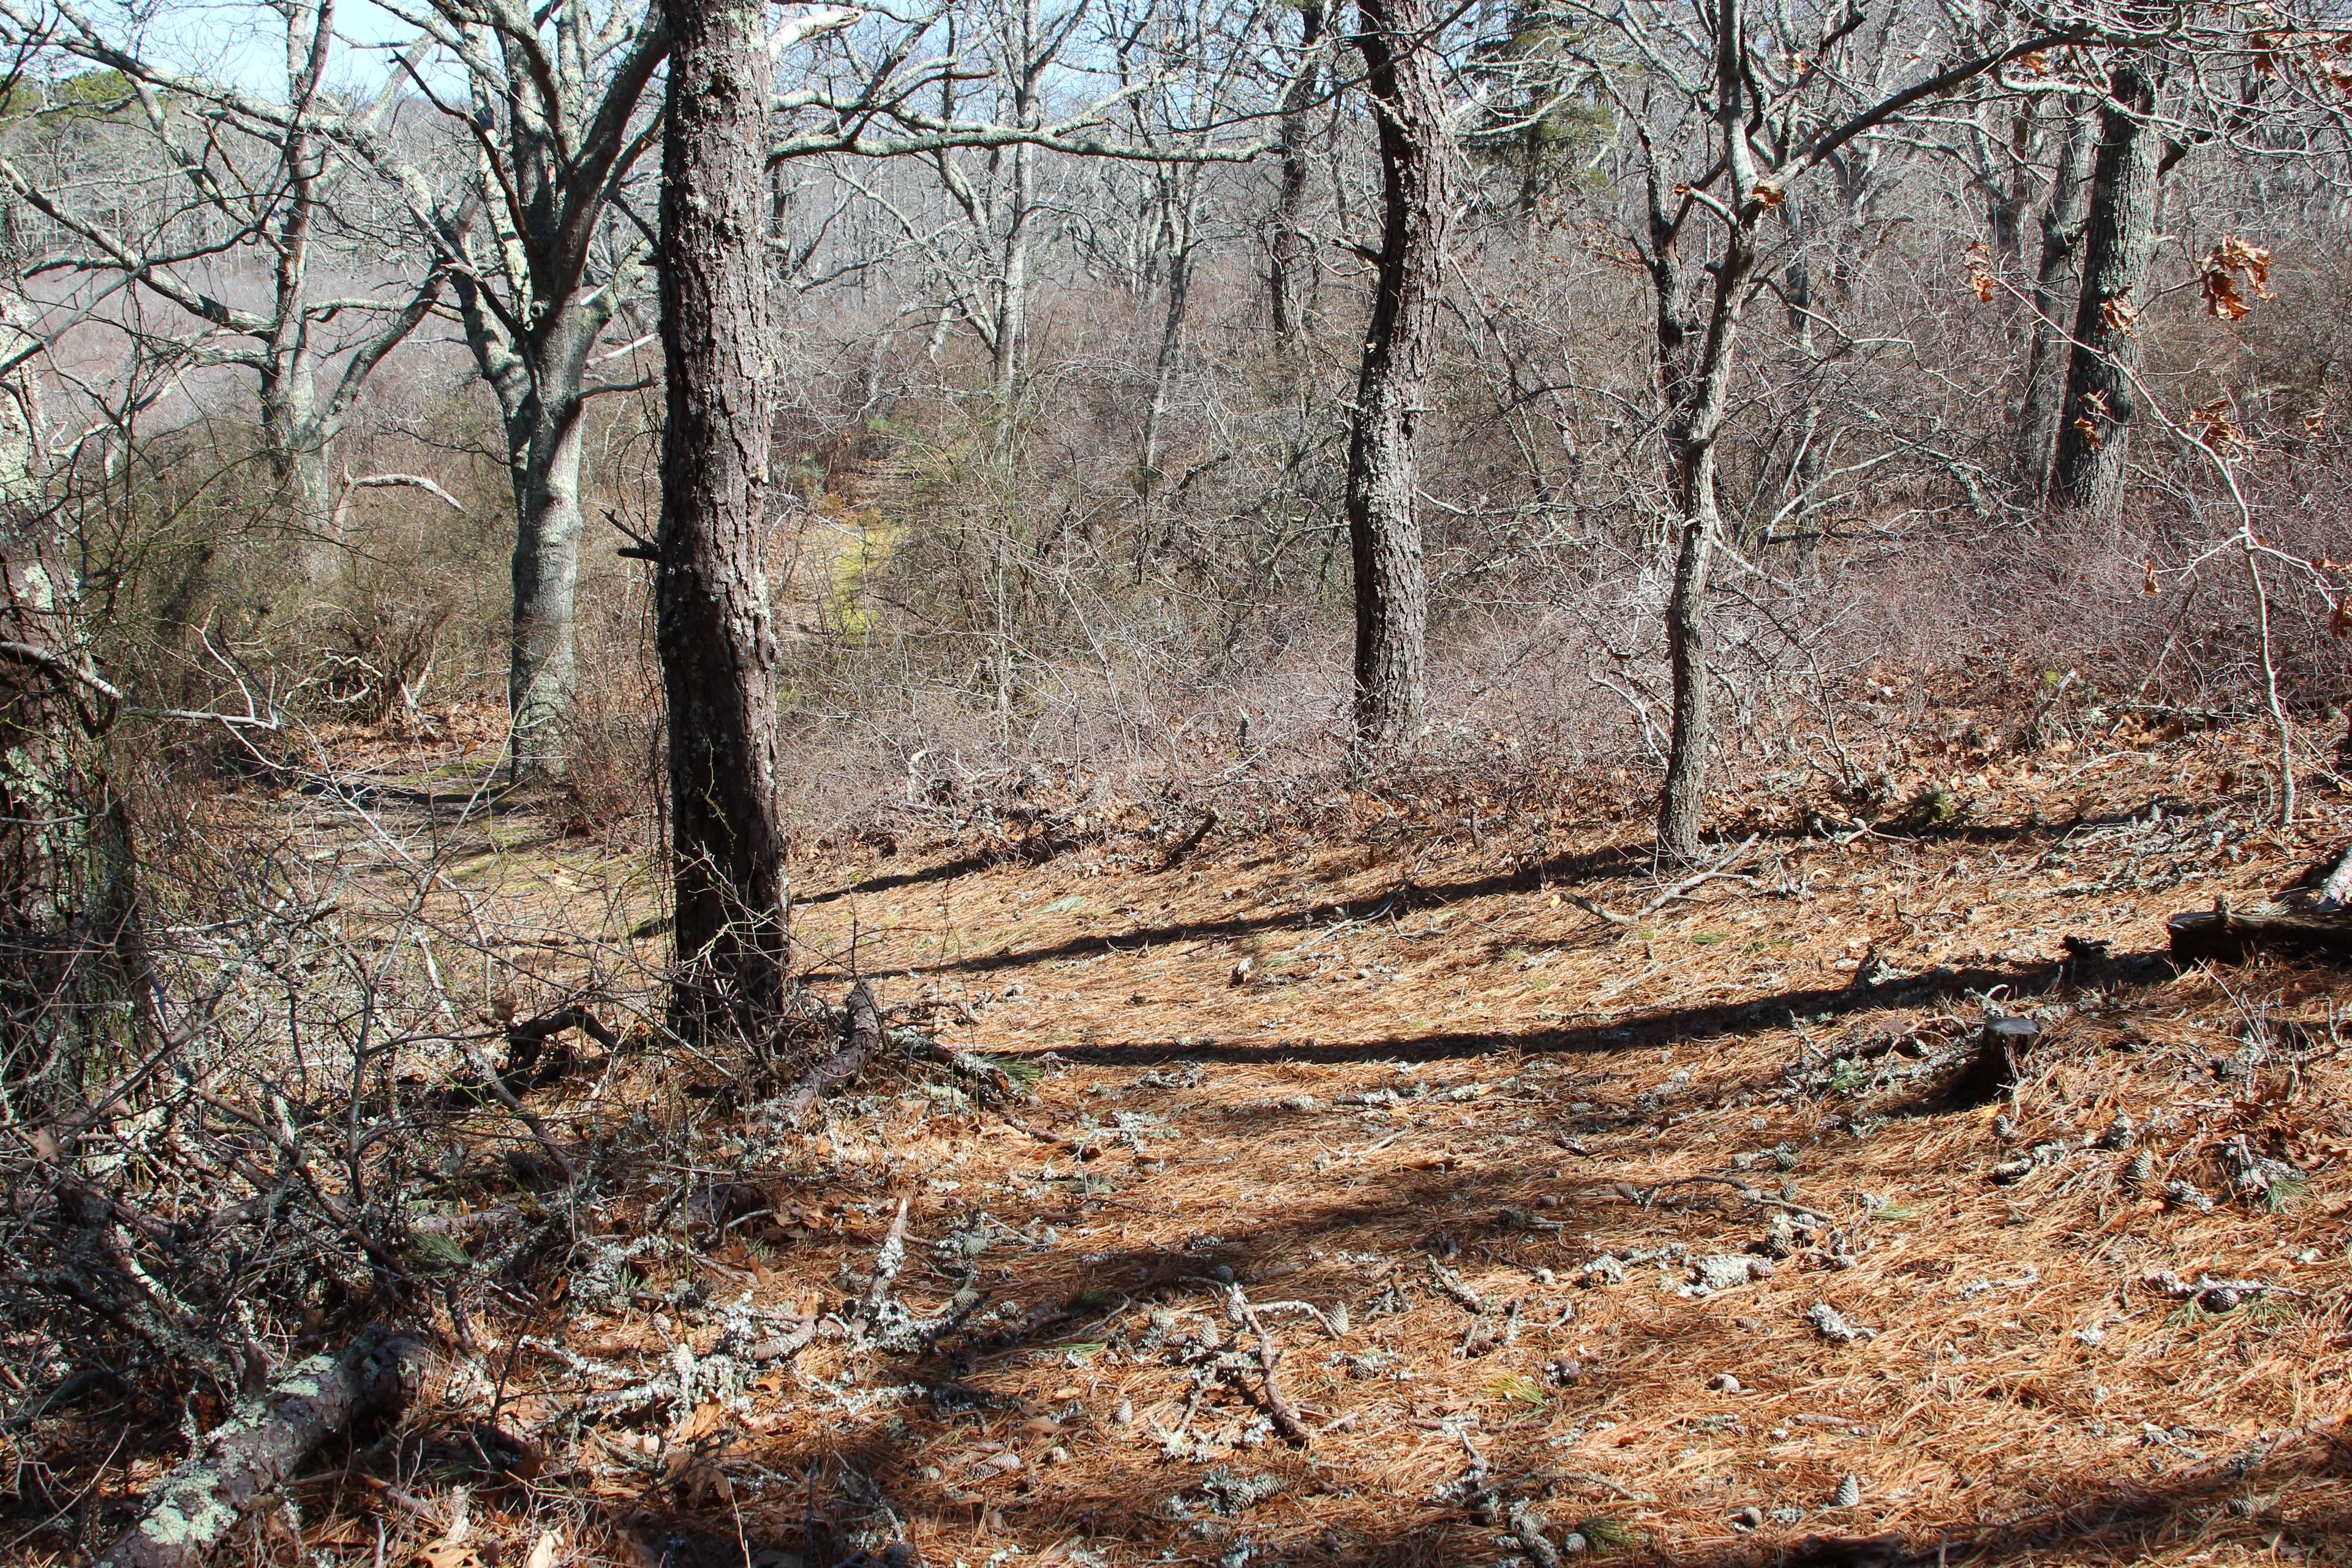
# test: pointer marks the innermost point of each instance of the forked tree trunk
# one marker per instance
(1693, 426)
(2118, 241)
(716, 643)
(2054, 290)
(1392, 592)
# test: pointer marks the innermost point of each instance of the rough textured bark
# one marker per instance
(2118, 240)
(2054, 289)
(256, 1451)
(1392, 592)
(1289, 254)
(69, 920)
(716, 638)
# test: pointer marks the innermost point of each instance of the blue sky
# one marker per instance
(245, 42)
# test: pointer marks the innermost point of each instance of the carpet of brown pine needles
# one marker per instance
(1541, 1079)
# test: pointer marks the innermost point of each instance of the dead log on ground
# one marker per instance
(2336, 890)
(864, 1037)
(2227, 935)
(257, 1451)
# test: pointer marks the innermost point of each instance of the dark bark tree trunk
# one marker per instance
(716, 643)
(1392, 592)
(1289, 256)
(2118, 240)
(2054, 287)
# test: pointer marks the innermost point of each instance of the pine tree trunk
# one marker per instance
(2054, 288)
(1391, 592)
(2118, 241)
(716, 640)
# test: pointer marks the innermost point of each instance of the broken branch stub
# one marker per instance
(257, 1451)
(2002, 1046)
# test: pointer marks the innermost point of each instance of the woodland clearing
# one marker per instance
(1674, 1230)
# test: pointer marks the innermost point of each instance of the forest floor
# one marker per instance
(1577, 1208)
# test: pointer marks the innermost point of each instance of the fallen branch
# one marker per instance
(513, 1102)
(1451, 1283)
(1190, 841)
(2227, 935)
(2337, 892)
(962, 1063)
(865, 1035)
(256, 1452)
(525, 1039)
(1721, 869)
(1269, 1360)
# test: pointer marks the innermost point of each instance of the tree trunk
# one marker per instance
(1163, 371)
(540, 383)
(1691, 439)
(1010, 343)
(716, 643)
(2054, 286)
(542, 662)
(1692, 427)
(70, 942)
(2118, 240)
(1012, 295)
(298, 464)
(1682, 806)
(1290, 257)
(1392, 592)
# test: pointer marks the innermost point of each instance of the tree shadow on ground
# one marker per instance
(1406, 898)
(903, 1476)
(1670, 1025)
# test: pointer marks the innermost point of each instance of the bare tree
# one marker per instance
(266, 172)
(2056, 287)
(542, 256)
(1398, 40)
(1289, 254)
(1774, 104)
